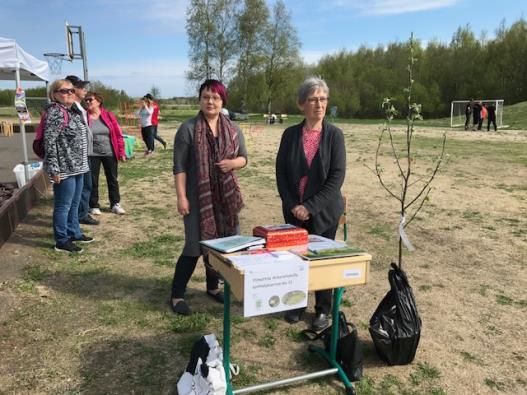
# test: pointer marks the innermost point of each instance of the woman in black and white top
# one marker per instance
(66, 162)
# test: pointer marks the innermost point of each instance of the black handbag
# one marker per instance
(349, 349)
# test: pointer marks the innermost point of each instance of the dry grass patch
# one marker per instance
(99, 323)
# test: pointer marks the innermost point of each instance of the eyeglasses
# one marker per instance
(206, 98)
(321, 100)
(65, 91)
(88, 100)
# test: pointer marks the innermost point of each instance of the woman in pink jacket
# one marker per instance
(108, 149)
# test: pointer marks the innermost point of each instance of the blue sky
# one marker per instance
(133, 44)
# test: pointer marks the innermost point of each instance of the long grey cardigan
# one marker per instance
(322, 197)
(185, 162)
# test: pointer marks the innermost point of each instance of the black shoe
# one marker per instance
(164, 145)
(89, 220)
(293, 316)
(180, 307)
(68, 247)
(218, 296)
(320, 322)
(83, 239)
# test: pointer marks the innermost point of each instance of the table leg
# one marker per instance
(227, 334)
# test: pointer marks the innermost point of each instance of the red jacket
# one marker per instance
(116, 135)
(155, 114)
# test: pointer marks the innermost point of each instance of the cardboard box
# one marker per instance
(323, 274)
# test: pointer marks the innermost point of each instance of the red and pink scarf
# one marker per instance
(219, 196)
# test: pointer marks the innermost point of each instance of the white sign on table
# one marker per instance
(275, 286)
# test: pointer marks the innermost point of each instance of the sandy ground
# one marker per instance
(468, 274)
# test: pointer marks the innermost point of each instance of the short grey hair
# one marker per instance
(309, 86)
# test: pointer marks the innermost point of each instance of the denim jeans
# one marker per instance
(67, 195)
(84, 205)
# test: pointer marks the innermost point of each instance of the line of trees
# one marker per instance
(112, 97)
(255, 51)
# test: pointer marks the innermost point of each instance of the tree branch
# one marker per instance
(438, 165)
(418, 208)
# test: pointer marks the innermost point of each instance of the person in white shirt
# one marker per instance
(145, 117)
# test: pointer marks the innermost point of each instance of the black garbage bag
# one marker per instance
(395, 327)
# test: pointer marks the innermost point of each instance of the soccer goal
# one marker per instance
(457, 112)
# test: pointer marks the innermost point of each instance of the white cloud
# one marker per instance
(387, 7)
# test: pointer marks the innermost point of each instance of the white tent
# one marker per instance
(12, 57)
(16, 64)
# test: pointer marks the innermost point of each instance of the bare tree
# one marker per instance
(404, 161)
(155, 91)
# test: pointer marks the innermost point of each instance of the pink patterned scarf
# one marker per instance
(219, 196)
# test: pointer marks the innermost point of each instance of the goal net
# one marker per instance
(458, 107)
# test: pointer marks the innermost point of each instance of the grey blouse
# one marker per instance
(185, 162)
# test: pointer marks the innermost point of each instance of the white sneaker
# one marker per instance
(117, 209)
(95, 211)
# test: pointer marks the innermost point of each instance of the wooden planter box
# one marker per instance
(14, 210)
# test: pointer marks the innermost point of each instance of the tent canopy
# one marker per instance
(12, 56)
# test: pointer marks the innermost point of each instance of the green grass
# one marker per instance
(162, 249)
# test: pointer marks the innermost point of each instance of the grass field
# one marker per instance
(98, 323)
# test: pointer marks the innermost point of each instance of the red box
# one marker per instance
(284, 235)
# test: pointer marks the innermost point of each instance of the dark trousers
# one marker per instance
(480, 123)
(184, 268)
(148, 138)
(493, 120)
(84, 204)
(322, 298)
(467, 121)
(109, 164)
(156, 136)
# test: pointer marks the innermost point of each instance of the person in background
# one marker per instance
(208, 149)
(468, 112)
(108, 149)
(155, 121)
(145, 116)
(310, 170)
(482, 115)
(476, 114)
(84, 207)
(491, 117)
(66, 163)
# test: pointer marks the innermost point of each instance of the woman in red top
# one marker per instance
(310, 170)
(108, 149)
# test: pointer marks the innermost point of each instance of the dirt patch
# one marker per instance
(98, 323)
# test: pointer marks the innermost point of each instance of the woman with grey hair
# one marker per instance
(310, 170)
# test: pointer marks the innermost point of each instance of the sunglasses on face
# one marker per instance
(88, 100)
(65, 91)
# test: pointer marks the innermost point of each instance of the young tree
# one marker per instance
(281, 50)
(413, 188)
